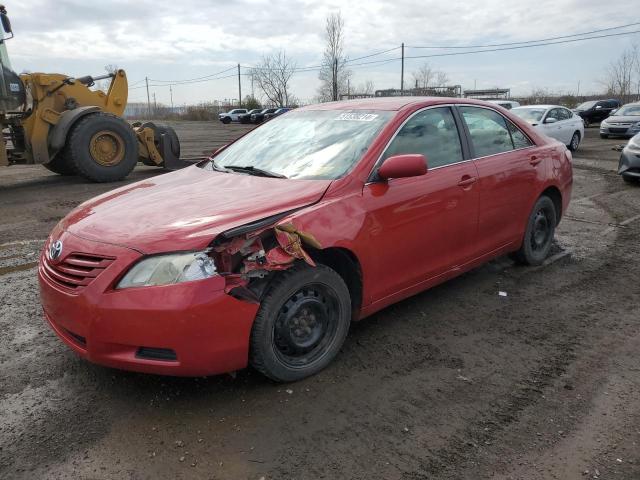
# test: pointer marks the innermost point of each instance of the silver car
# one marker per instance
(622, 122)
(629, 166)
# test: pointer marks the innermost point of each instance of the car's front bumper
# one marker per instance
(625, 129)
(187, 329)
(629, 164)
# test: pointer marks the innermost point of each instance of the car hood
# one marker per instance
(623, 118)
(186, 209)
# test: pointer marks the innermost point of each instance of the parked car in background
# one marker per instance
(266, 252)
(259, 117)
(554, 121)
(629, 165)
(279, 111)
(231, 116)
(623, 122)
(595, 111)
(508, 104)
(246, 117)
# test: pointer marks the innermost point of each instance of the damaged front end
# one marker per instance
(247, 257)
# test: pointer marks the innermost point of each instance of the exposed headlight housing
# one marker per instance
(168, 269)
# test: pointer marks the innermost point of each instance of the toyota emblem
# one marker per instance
(55, 249)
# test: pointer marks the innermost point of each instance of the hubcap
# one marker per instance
(306, 325)
(107, 148)
(574, 141)
(540, 234)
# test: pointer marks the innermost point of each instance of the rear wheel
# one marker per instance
(575, 141)
(103, 147)
(539, 233)
(171, 136)
(302, 323)
(61, 164)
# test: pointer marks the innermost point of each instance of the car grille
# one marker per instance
(617, 130)
(76, 271)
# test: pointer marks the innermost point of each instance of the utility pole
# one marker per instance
(578, 92)
(348, 88)
(155, 105)
(402, 72)
(148, 98)
(239, 88)
(171, 94)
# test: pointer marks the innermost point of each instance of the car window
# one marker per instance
(553, 113)
(432, 133)
(519, 139)
(488, 131)
(563, 114)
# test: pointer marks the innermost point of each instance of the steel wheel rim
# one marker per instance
(541, 230)
(106, 148)
(306, 325)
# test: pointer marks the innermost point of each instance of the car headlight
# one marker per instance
(634, 143)
(169, 269)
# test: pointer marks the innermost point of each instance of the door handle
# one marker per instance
(534, 160)
(466, 181)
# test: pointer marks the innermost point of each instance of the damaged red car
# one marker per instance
(263, 254)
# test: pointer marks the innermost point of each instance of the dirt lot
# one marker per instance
(455, 383)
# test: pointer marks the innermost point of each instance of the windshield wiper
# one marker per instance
(251, 170)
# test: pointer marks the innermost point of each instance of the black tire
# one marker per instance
(630, 180)
(118, 133)
(604, 135)
(226, 120)
(158, 130)
(302, 323)
(539, 233)
(575, 141)
(61, 164)
(586, 122)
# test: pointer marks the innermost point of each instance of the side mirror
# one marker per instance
(402, 166)
(613, 111)
(598, 107)
(6, 24)
(550, 120)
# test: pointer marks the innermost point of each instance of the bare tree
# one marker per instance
(334, 74)
(272, 77)
(441, 79)
(366, 88)
(423, 77)
(622, 77)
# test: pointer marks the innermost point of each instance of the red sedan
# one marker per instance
(266, 252)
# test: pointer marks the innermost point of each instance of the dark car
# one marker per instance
(279, 111)
(595, 111)
(246, 117)
(259, 117)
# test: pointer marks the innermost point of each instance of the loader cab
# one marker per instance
(12, 90)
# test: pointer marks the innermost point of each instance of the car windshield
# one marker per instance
(308, 144)
(629, 111)
(586, 105)
(531, 115)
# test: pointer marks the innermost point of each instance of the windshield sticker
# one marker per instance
(358, 117)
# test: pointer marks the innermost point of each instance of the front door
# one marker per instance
(420, 227)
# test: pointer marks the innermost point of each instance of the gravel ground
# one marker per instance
(455, 383)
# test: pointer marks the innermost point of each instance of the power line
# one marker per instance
(196, 78)
(528, 41)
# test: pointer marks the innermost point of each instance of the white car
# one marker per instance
(508, 104)
(555, 122)
(232, 116)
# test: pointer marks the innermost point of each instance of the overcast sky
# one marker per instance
(190, 38)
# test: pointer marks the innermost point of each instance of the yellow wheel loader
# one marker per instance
(60, 122)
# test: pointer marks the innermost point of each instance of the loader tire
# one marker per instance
(103, 147)
(61, 164)
(158, 130)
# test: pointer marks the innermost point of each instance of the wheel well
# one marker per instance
(346, 264)
(556, 197)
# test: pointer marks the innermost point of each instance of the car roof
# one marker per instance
(392, 103)
(541, 106)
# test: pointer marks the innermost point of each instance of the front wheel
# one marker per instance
(226, 120)
(575, 141)
(586, 122)
(102, 147)
(604, 135)
(630, 180)
(538, 236)
(302, 323)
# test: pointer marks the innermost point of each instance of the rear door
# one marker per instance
(507, 169)
(420, 227)
(554, 129)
